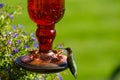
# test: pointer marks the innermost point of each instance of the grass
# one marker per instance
(92, 29)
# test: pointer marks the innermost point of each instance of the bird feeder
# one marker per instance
(45, 13)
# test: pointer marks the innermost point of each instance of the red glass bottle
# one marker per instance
(45, 13)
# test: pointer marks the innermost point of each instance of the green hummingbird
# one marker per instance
(71, 62)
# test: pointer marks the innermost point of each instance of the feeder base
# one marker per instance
(42, 63)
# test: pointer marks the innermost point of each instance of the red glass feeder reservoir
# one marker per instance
(45, 13)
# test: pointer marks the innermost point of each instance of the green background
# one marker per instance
(92, 29)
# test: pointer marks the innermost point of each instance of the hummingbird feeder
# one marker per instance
(45, 13)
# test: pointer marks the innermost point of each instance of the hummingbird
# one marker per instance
(71, 62)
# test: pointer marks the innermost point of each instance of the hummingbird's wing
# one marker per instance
(72, 64)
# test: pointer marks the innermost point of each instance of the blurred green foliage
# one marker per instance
(92, 29)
